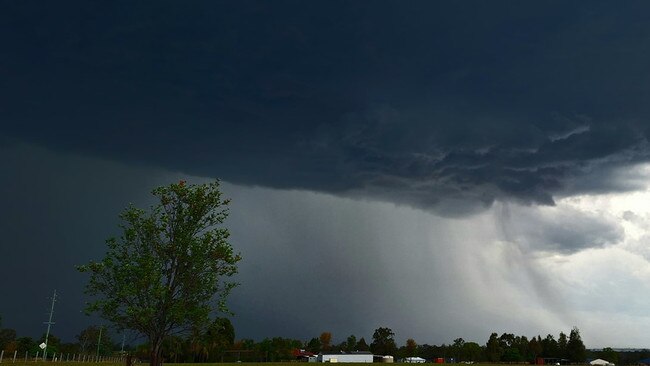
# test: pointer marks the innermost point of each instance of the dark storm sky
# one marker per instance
(447, 107)
(418, 100)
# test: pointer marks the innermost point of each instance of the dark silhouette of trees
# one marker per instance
(562, 345)
(549, 347)
(362, 345)
(576, 350)
(313, 345)
(411, 348)
(351, 343)
(493, 348)
(383, 342)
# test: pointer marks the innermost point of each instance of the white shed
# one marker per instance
(600, 362)
(360, 357)
(414, 360)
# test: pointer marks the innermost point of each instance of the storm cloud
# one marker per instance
(441, 106)
(489, 159)
(559, 229)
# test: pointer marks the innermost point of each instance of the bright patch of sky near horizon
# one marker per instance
(316, 262)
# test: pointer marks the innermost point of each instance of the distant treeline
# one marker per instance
(216, 342)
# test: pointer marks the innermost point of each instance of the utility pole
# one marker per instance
(49, 324)
(99, 340)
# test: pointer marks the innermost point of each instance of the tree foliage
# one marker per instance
(314, 345)
(383, 342)
(493, 348)
(411, 348)
(90, 337)
(362, 345)
(325, 341)
(351, 343)
(575, 349)
(7, 335)
(165, 273)
(562, 345)
(550, 347)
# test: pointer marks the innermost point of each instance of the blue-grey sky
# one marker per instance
(440, 168)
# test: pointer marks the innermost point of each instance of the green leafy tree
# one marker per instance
(550, 347)
(7, 336)
(89, 337)
(506, 340)
(313, 345)
(351, 343)
(562, 345)
(511, 355)
(521, 344)
(173, 348)
(362, 345)
(25, 344)
(575, 349)
(383, 342)
(493, 348)
(457, 348)
(165, 274)
(53, 345)
(411, 348)
(471, 351)
(68, 349)
(325, 341)
(219, 337)
(535, 347)
(277, 349)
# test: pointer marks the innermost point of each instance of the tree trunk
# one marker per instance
(156, 353)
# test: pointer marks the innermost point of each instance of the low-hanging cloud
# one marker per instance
(560, 229)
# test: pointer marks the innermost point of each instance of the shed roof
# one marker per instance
(599, 361)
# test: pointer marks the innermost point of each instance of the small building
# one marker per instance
(414, 360)
(303, 355)
(600, 362)
(383, 359)
(357, 357)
